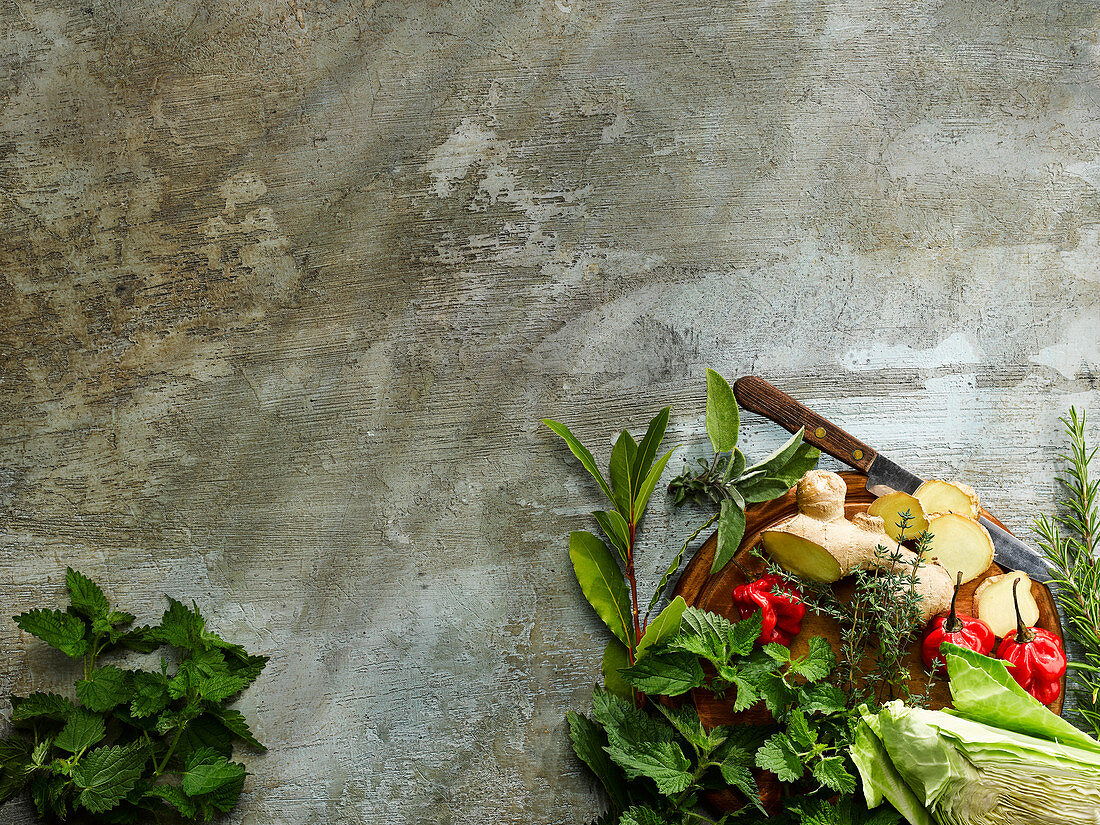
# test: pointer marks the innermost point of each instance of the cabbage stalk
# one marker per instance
(1015, 764)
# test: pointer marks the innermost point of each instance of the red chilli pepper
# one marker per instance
(780, 604)
(958, 629)
(1035, 657)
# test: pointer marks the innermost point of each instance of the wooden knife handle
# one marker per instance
(756, 394)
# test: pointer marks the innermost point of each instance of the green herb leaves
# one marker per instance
(634, 470)
(603, 584)
(726, 481)
(723, 417)
(111, 754)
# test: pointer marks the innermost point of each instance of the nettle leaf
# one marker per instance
(663, 762)
(582, 454)
(822, 698)
(86, 596)
(723, 417)
(220, 686)
(203, 731)
(180, 627)
(818, 662)
(616, 529)
(622, 483)
(831, 772)
(731, 529)
(206, 771)
(666, 674)
(781, 758)
(174, 797)
(775, 692)
(641, 815)
(40, 706)
(622, 721)
(736, 769)
(140, 639)
(589, 742)
(245, 666)
(799, 732)
(15, 766)
(663, 627)
(685, 720)
(59, 630)
(602, 583)
(150, 694)
(647, 450)
(106, 775)
(83, 730)
(106, 689)
(715, 637)
(235, 723)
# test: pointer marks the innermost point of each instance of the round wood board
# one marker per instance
(715, 593)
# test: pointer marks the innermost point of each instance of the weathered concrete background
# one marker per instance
(286, 285)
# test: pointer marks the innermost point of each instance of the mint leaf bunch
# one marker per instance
(133, 745)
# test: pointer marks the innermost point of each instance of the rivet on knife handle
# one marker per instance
(757, 395)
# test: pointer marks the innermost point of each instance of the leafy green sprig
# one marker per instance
(135, 744)
(878, 622)
(727, 480)
(657, 762)
(1070, 540)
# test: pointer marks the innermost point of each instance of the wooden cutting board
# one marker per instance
(715, 593)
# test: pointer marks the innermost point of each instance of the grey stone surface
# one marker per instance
(286, 286)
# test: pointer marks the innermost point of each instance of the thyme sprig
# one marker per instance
(1069, 541)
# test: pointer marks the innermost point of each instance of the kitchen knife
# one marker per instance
(883, 475)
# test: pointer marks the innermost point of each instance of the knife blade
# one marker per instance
(755, 394)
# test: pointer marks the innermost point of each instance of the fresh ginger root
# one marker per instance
(821, 544)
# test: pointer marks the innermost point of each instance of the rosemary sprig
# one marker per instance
(1069, 541)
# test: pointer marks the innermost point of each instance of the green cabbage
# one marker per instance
(955, 768)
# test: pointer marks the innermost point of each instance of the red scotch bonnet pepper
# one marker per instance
(780, 604)
(1034, 656)
(958, 629)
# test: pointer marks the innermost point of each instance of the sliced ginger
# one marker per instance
(994, 602)
(896, 509)
(821, 544)
(948, 497)
(960, 544)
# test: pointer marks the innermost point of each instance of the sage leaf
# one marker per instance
(805, 459)
(663, 627)
(762, 489)
(582, 454)
(615, 658)
(602, 582)
(780, 456)
(647, 450)
(622, 482)
(723, 418)
(734, 467)
(731, 529)
(646, 488)
(616, 529)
